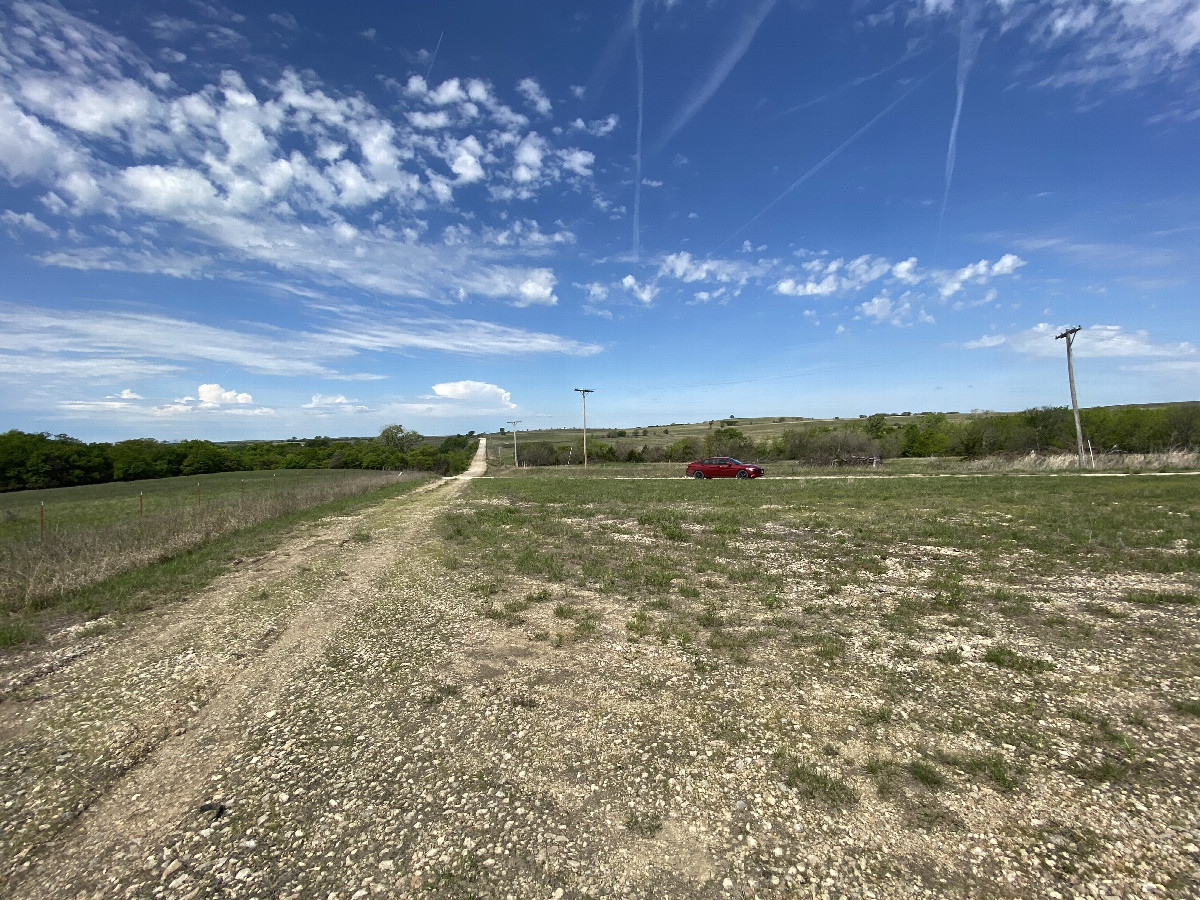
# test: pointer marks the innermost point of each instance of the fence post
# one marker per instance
(42, 533)
(141, 504)
(197, 495)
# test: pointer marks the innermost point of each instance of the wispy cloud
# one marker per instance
(1084, 42)
(970, 38)
(743, 32)
(1094, 341)
(99, 345)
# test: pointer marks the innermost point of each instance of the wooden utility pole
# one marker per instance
(514, 423)
(1069, 334)
(583, 392)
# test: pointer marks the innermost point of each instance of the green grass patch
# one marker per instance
(1006, 657)
(927, 774)
(1155, 598)
(812, 781)
(1190, 707)
(176, 577)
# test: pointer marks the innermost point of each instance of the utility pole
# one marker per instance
(583, 392)
(1069, 334)
(514, 423)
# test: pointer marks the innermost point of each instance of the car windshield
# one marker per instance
(736, 462)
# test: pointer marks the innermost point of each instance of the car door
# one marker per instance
(725, 468)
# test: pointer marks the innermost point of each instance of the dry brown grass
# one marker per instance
(36, 572)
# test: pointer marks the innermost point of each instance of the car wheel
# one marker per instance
(699, 475)
(742, 473)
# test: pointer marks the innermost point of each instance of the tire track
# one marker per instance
(115, 833)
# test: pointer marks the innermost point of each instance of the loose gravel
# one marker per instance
(343, 721)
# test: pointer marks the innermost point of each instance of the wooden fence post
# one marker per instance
(42, 533)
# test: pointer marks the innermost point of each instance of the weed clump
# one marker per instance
(1006, 657)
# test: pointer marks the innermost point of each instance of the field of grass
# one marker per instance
(104, 504)
(1013, 657)
(99, 539)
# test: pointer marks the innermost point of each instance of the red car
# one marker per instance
(723, 467)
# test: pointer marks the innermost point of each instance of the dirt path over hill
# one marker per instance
(111, 740)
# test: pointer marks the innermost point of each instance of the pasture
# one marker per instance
(974, 686)
(559, 682)
(56, 543)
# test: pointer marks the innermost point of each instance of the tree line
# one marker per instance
(1041, 430)
(31, 461)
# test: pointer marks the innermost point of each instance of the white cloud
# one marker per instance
(213, 396)
(977, 273)
(456, 398)
(1095, 341)
(26, 222)
(906, 271)
(170, 191)
(597, 127)
(528, 159)
(27, 147)
(878, 308)
(825, 277)
(595, 291)
(465, 164)
(988, 340)
(578, 161)
(534, 96)
(269, 174)
(684, 267)
(478, 393)
(95, 406)
(449, 91)
(1126, 42)
(883, 308)
(533, 287)
(337, 403)
(644, 293)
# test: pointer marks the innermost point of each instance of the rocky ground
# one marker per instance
(354, 717)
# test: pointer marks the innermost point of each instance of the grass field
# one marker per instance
(98, 539)
(104, 504)
(933, 659)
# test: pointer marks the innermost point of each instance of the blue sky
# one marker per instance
(249, 220)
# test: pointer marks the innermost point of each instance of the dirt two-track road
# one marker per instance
(123, 749)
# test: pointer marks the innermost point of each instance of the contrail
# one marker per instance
(435, 53)
(853, 83)
(830, 157)
(969, 40)
(636, 17)
(702, 93)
